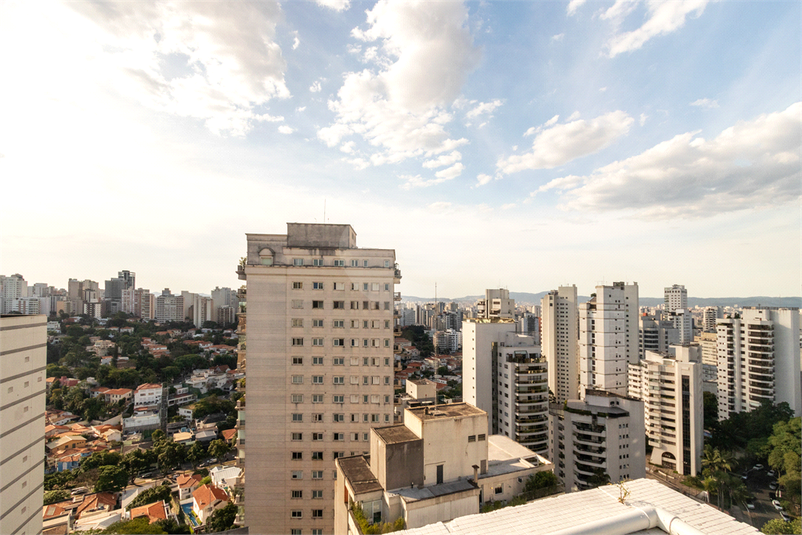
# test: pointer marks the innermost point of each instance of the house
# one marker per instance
(147, 395)
(186, 411)
(184, 437)
(187, 484)
(206, 435)
(229, 435)
(206, 499)
(153, 511)
(224, 476)
(116, 394)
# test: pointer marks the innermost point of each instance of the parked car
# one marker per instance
(774, 485)
(79, 490)
(785, 516)
(757, 467)
(776, 504)
(750, 504)
(771, 473)
(745, 475)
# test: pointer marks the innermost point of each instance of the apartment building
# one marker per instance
(23, 355)
(670, 386)
(169, 307)
(758, 360)
(496, 304)
(558, 313)
(320, 376)
(608, 337)
(601, 434)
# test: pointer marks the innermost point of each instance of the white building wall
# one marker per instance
(559, 322)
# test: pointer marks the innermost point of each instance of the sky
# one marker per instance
(523, 145)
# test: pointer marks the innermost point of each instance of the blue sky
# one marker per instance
(515, 144)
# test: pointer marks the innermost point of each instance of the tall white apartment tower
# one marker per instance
(758, 360)
(608, 337)
(496, 304)
(560, 333)
(23, 356)
(320, 375)
(676, 297)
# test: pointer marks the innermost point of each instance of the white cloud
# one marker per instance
(336, 5)
(284, 129)
(705, 103)
(484, 107)
(425, 52)
(443, 159)
(296, 42)
(642, 120)
(663, 18)
(211, 61)
(417, 181)
(558, 37)
(573, 5)
(302, 108)
(558, 144)
(483, 179)
(315, 87)
(752, 164)
(347, 147)
(451, 172)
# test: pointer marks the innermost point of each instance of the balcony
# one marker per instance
(590, 461)
(592, 450)
(589, 428)
(396, 296)
(589, 439)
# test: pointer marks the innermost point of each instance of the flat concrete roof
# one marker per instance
(357, 471)
(427, 493)
(396, 434)
(449, 410)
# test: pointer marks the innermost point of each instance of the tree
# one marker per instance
(169, 455)
(155, 494)
(779, 526)
(223, 518)
(55, 496)
(111, 478)
(137, 525)
(218, 448)
(137, 461)
(101, 458)
(196, 454)
(599, 478)
(157, 437)
(540, 480)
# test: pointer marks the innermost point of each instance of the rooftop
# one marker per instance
(357, 471)
(396, 434)
(648, 509)
(449, 410)
(413, 494)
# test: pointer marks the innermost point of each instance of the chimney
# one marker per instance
(475, 473)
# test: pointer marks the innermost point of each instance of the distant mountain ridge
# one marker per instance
(534, 299)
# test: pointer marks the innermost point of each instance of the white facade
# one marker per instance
(558, 312)
(320, 355)
(23, 355)
(758, 360)
(670, 386)
(604, 432)
(169, 307)
(496, 304)
(608, 337)
(676, 297)
(147, 395)
(11, 288)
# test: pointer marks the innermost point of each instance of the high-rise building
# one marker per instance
(558, 313)
(23, 356)
(169, 307)
(222, 298)
(656, 334)
(758, 360)
(601, 434)
(670, 386)
(505, 375)
(676, 297)
(496, 304)
(113, 295)
(320, 375)
(676, 304)
(11, 288)
(711, 315)
(608, 337)
(136, 301)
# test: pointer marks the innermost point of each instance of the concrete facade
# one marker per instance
(23, 356)
(558, 313)
(320, 376)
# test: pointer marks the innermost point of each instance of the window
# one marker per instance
(317, 379)
(374, 418)
(317, 342)
(297, 285)
(364, 263)
(317, 261)
(297, 474)
(376, 380)
(354, 305)
(387, 399)
(374, 287)
(386, 263)
(374, 342)
(297, 341)
(297, 398)
(355, 437)
(317, 455)
(354, 399)
(365, 305)
(366, 398)
(317, 285)
(317, 513)
(317, 494)
(317, 531)
(339, 417)
(297, 322)
(297, 303)
(339, 286)
(295, 494)
(297, 436)
(365, 342)
(374, 398)
(339, 379)
(386, 324)
(386, 361)
(317, 398)
(354, 263)
(386, 342)
(374, 324)
(482, 438)
(297, 456)
(339, 263)
(365, 361)
(318, 417)
(297, 361)
(316, 437)
(499, 489)
(386, 284)
(338, 324)
(296, 514)
(297, 261)
(471, 438)
(317, 323)
(387, 380)
(340, 305)
(354, 379)
(297, 379)
(317, 361)
(317, 304)
(354, 361)
(339, 398)
(365, 324)
(339, 342)
(317, 474)
(339, 437)
(339, 361)
(338, 454)
(387, 305)
(297, 417)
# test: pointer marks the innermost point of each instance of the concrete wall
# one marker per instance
(440, 509)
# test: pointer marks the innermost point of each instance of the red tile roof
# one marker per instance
(207, 495)
(154, 511)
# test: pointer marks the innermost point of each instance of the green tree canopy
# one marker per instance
(111, 478)
(55, 496)
(155, 494)
(218, 448)
(223, 518)
(779, 526)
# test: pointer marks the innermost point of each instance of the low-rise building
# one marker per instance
(206, 499)
(147, 395)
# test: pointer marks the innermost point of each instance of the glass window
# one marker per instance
(297, 261)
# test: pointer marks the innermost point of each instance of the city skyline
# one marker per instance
(517, 145)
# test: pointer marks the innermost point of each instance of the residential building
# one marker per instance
(505, 375)
(639, 507)
(608, 337)
(169, 307)
(320, 355)
(447, 341)
(11, 288)
(496, 304)
(655, 333)
(711, 316)
(676, 297)
(670, 386)
(23, 356)
(603, 432)
(206, 499)
(758, 360)
(438, 465)
(560, 330)
(137, 301)
(114, 287)
(148, 395)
